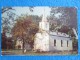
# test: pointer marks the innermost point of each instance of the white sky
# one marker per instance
(58, 15)
(37, 11)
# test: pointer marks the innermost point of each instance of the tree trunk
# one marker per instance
(23, 46)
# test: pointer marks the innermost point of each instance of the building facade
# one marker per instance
(46, 40)
(60, 42)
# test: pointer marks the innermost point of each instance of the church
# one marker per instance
(46, 40)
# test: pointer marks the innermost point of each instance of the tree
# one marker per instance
(24, 30)
(31, 8)
(8, 20)
(67, 15)
(4, 9)
(75, 44)
(3, 42)
(64, 29)
(6, 42)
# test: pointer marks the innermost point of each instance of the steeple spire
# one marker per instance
(44, 16)
(44, 24)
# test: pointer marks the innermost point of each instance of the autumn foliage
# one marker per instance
(25, 30)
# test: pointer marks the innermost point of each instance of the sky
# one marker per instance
(37, 11)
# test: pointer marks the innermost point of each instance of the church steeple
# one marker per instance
(44, 24)
(44, 16)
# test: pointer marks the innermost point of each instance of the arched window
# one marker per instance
(61, 43)
(54, 42)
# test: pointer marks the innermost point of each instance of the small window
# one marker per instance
(67, 43)
(61, 43)
(54, 42)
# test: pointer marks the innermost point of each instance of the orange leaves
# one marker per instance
(25, 28)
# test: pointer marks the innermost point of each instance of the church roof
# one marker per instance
(59, 34)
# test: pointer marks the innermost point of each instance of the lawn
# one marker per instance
(31, 53)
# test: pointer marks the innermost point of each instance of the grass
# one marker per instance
(19, 52)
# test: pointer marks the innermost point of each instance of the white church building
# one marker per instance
(45, 40)
(59, 42)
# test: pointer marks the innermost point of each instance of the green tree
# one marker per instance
(68, 15)
(25, 30)
(75, 44)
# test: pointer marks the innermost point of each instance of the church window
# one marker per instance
(54, 42)
(67, 43)
(61, 43)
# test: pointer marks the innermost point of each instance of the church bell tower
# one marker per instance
(42, 38)
(44, 24)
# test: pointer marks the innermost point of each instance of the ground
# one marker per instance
(19, 52)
